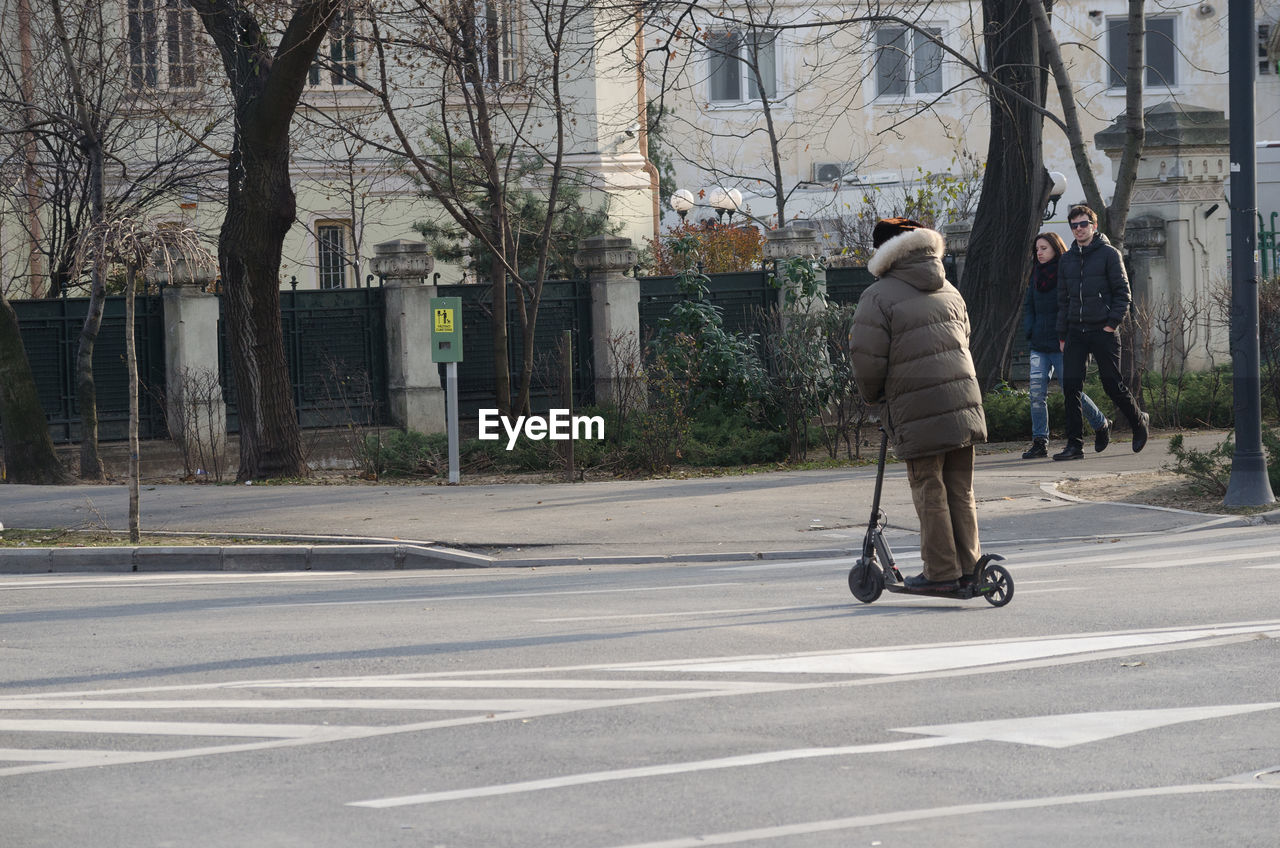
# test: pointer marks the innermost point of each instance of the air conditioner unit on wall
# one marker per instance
(832, 172)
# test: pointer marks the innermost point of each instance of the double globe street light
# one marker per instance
(724, 201)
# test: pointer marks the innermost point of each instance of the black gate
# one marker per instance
(335, 344)
(51, 335)
(565, 305)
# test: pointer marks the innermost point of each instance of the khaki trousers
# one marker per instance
(942, 488)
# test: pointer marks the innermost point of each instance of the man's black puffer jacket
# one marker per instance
(1093, 289)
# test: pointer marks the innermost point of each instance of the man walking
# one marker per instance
(910, 350)
(1093, 298)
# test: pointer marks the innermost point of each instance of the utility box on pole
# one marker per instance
(446, 329)
(446, 347)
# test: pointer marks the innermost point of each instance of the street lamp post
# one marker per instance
(1058, 189)
(1248, 485)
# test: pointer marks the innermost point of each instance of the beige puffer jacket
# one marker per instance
(910, 348)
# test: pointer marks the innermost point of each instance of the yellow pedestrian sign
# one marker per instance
(444, 320)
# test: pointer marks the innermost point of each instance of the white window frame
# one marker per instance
(334, 268)
(342, 62)
(718, 59)
(1117, 66)
(498, 34)
(918, 36)
(161, 38)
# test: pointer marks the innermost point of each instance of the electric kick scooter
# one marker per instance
(876, 571)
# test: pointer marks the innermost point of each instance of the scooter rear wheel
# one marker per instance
(866, 581)
(997, 585)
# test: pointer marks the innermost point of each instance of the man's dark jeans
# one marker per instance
(1105, 348)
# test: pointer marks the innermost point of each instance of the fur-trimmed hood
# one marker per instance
(912, 248)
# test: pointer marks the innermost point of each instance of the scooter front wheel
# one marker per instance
(866, 581)
(997, 585)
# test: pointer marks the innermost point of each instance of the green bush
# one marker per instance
(718, 437)
(1210, 471)
(1190, 399)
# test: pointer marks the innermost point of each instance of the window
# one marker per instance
(157, 61)
(497, 36)
(1160, 50)
(1265, 65)
(333, 255)
(735, 58)
(338, 67)
(908, 61)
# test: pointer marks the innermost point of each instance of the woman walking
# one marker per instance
(1040, 324)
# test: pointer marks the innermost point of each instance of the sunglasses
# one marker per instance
(1080, 225)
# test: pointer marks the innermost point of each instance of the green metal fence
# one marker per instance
(51, 335)
(335, 344)
(565, 305)
(1268, 247)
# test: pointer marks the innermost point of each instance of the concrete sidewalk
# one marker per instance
(377, 526)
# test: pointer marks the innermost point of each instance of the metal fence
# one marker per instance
(51, 335)
(1268, 247)
(740, 297)
(335, 345)
(565, 305)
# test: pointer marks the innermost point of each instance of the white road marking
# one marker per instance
(1063, 731)
(897, 661)
(1054, 731)
(763, 758)
(500, 596)
(1089, 646)
(805, 828)
(172, 728)
(677, 613)
(491, 705)
(1211, 559)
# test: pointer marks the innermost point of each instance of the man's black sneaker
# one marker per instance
(1073, 450)
(1140, 433)
(1039, 448)
(922, 582)
(1102, 436)
(967, 580)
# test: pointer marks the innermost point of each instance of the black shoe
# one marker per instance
(1039, 448)
(1140, 433)
(922, 582)
(1073, 450)
(1102, 436)
(967, 580)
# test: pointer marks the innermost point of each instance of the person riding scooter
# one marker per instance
(910, 353)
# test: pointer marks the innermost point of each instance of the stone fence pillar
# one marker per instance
(957, 237)
(1180, 183)
(615, 316)
(415, 395)
(796, 242)
(194, 408)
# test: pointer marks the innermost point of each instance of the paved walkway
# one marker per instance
(786, 513)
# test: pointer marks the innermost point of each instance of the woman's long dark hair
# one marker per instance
(1055, 241)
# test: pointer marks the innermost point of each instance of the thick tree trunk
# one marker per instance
(29, 456)
(260, 210)
(86, 388)
(1014, 190)
(91, 467)
(501, 358)
(131, 362)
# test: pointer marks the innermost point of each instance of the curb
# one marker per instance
(237, 558)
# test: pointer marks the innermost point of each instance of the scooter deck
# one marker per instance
(960, 593)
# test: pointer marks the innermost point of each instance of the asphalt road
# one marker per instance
(1128, 695)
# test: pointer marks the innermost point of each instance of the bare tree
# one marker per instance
(477, 97)
(134, 244)
(93, 127)
(265, 84)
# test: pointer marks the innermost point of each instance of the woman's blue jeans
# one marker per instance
(1043, 367)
